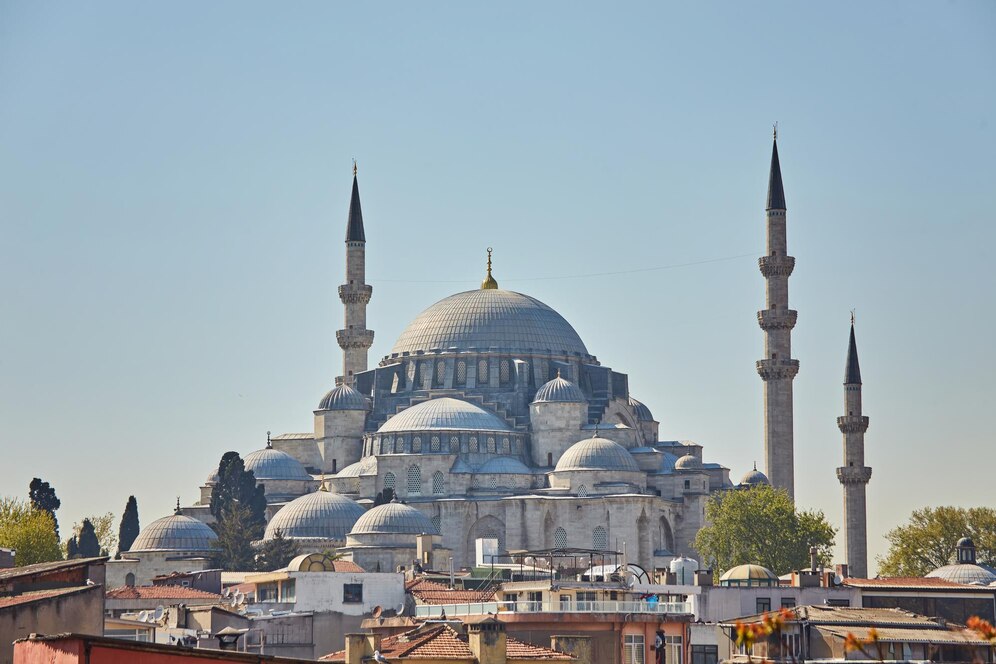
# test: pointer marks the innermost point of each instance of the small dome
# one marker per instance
(688, 462)
(212, 478)
(320, 514)
(175, 533)
(444, 413)
(643, 413)
(754, 478)
(343, 397)
(597, 454)
(966, 542)
(968, 573)
(365, 466)
(559, 390)
(505, 465)
(271, 464)
(394, 519)
(748, 575)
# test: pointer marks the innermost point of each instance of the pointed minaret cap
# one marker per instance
(852, 374)
(776, 194)
(489, 282)
(354, 227)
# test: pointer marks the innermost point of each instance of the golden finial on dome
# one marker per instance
(489, 282)
(321, 484)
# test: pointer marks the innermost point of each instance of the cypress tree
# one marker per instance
(43, 497)
(129, 528)
(72, 550)
(89, 545)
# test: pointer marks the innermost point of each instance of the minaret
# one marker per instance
(355, 339)
(777, 369)
(854, 474)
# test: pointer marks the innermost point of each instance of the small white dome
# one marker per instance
(444, 413)
(559, 390)
(271, 464)
(754, 478)
(597, 454)
(175, 533)
(343, 397)
(320, 515)
(643, 413)
(394, 519)
(688, 462)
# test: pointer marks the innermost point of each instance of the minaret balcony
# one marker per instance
(776, 266)
(854, 474)
(852, 423)
(777, 319)
(354, 338)
(777, 369)
(355, 293)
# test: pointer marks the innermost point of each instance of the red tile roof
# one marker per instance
(908, 583)
(37, 595)
(160, 592)
(443, 642)
(346, 566)
(430, 592)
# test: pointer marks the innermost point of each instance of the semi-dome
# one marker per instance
(394, 519)
(968, 573)
(597, 454)
(271, 464)
(754, 478)
(444, 413)
(505, 465)
(748, 575)
(343, 397)
(643, 413)
(365, 466)
(488, 319)
(319, 515)
(559, 390)
(688, 462)
(175, 533)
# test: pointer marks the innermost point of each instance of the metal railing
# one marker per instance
(598, 606)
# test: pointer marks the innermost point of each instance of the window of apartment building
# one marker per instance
(288, 591)
(266, 592)
(763, 604)
(352, 593)
(586, 600)
(535, 598)
(705, 654)
(672, 650)
(838, 602)
(788, 602)
(634, 649)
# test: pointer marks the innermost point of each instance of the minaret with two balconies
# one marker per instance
(354, 339)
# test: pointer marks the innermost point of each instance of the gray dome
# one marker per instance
(394, 519)
(444, 413)
(365, 466)
(271, 464)
(597, 454)
(967, 573)
(320, 514)
(490, 319)
(505, 465)
(559, 389)
(688, 462)
(642, 412)
(213, 478)
(754, 478)
(175, 533)
(343, 397)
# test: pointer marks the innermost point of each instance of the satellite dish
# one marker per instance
(630, 579)
(401, 609)
(160, 611)
(377, 611)
(143, 616)
(227, 593)
(239, 597)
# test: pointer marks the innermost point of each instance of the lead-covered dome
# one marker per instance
(320, 515)
(597, 454)
(342, 397)
(643, 413)
(688, 462)
(271, 464)
(394, 519)
(442, 414)
(175, 533)
(559, 390)
(755, 478)
(489, 319)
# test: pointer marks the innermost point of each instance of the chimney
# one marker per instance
(703, 577)
(842, 570)
(360, 647)
(813, 562)
(574, 644)
(423, 548)
(486, 639)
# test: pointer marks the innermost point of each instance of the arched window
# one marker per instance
(493, 481)
(599, 538)
(473, 443)
(506, 447)
(434, 444)
(129, 579)
(582, 491)
(440, 373)
(454, 444)
(482, 372)
(414, 480)
(461, 372)
(438, 483)
(437, 521)
(491, 445)
(411, 372)
(560, 538)
(416, 444)
(504, 372)
(389, 481)
(385, 446)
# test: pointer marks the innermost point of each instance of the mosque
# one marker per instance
(490, 418)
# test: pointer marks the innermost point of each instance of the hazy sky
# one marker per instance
(174, 180)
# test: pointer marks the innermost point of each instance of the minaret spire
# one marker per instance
(854, 474)
(777, 369)
(354, 339)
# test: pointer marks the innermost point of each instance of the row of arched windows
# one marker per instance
(403, 444)
(599, 538)
(414, 482)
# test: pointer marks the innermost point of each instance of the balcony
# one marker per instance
(601, 606)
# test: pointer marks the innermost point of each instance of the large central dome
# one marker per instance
(489, 319)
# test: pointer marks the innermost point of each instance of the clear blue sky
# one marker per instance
(174, 180)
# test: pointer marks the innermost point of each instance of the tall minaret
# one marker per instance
(777, 369)
(355, 339)
(854, 474)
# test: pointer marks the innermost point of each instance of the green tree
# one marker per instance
(927, 541)
(234, 552)
(43, 497)
(89, 545)
(129, 528)
(72, 548)
(237, 486)
(28, 530)
(761, 525)
(384, 496)
(275, 553)
(103, 528)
